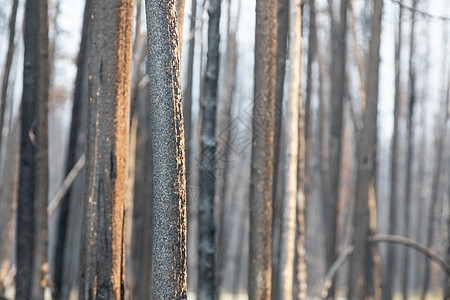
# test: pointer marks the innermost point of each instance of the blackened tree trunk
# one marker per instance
(338, 83)
(109, 68)
(169, 255)
(387, 290)
(206, 225)
(365, 164)
(32, 264)
(8, 63)
(260, 273)
(66, 250)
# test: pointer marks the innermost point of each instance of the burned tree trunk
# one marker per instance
(206, 225)
(32, 264)
(169, 255)
(109, 69)
(261, 178)
(365, 164)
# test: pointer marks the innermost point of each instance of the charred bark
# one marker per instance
(169, 255)
(109, 69)
(32, 264)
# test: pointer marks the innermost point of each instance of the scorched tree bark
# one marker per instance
(169, 180)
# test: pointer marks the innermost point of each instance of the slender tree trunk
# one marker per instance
(338, 83)
(365, 164)
(169, 255)
(435, 189)
(279, 161)
(109, 68)
(261, 178)
(64, 246)
(290, 129)
(409, 154)
(8, 63)
(32, 264)
(390, 259)
(294, 75)
(206, 225)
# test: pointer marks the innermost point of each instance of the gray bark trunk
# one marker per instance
(387, 290)
(206, 225)
(109, 69)
(33, 193)
(261, 177)
(365, 164)
(169, 256)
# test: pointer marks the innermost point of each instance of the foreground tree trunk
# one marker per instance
(365, 164)
(169, 255)
(109, 68)
(260, 269)
(33, 192)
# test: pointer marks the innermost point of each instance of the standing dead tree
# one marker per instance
(261, 177)
(169, 178)
(32, 264)
(365, 164)
(109, 69)
(207, 249)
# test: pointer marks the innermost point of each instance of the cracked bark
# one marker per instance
(109, 69)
